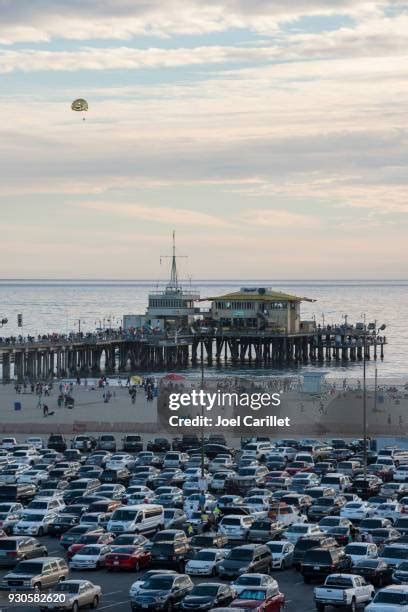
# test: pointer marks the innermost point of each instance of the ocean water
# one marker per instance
(59, 306)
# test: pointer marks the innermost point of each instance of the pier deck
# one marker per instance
(62, 355)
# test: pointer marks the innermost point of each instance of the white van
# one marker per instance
(236, 526)
(141, 518)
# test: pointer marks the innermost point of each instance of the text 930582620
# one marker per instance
(35, 598)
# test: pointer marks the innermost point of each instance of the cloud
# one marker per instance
(156, 214)
(275, 218)
(44, 20)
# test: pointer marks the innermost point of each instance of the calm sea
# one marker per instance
(58, 306)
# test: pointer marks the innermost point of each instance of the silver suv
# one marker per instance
(40, 573)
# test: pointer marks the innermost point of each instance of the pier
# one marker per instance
(121, 352)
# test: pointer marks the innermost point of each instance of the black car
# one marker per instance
(208, 540)
(57, 442)
(400, 574)
(121, 476)
(325, 506)
(132, 443)
(158, 445)
(401, 524)
(22, 493)
(265, 529)
(162, 592)
(307, 542)
(367, 487)
(170, 554)
(208, 595)
(376, 571)
(62, 523)
(248, 558)
(212, 450)
(318, 563)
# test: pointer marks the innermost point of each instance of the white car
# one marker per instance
(299, 530)
(252, 581)
(282, 553)
(136, 489)
(392, 598)
(45, 505)
(257, 503)
(33, 477)
(28, 456)
(90, 557)
(34, 524)
(8, 443)
(356, 511)
(361, 550)
(220, 463)
(287, 452)
(194, 503)
(235, 526)
(333, 521)
(401, 473)
(205, 562)
(220, 478)
(390, 510)
(35, 442)
(119, 461)
(9, 474)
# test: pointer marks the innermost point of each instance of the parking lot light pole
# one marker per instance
(202, 409)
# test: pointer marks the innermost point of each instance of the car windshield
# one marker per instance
(255, 594)
(205, 590)
(205, 556)
(125, 550)
(356, 549)
(124, 515)
(248, 581)
(262, 525)
(67, 587)
(90, 551)
(370, 563)
(277, 548)
(159, 583)
(391, 597)
(395, 553)
(28, 567)
(32, 517)
(240, 554)
(298, 529)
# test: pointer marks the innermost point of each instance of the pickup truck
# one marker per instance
(343, 591)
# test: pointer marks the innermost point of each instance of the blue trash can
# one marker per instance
(17, 405)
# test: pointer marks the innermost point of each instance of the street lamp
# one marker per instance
(365, 438)
(202, 408)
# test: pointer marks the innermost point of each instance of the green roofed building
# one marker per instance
(259, 308)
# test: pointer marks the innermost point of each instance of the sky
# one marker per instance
(271, 135)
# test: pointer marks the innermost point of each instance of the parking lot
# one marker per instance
(285, 485)
(115, 586)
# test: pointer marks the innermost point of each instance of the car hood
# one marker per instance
(247, 604)
(154, 594)
(192, 599)
(228, 564)
(13, 576)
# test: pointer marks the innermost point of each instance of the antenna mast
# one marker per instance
(173, 284)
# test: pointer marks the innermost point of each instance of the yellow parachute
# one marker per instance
(80, 105)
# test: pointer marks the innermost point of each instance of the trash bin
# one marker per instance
(17, 405)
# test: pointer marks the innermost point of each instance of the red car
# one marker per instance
(260, 600)
(128, 558)
(89, 538)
